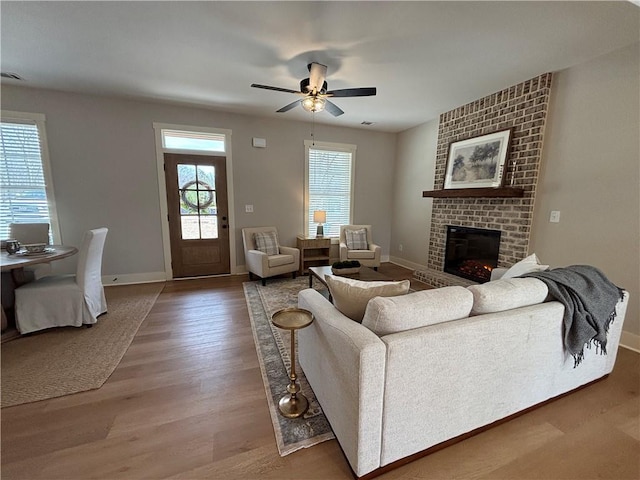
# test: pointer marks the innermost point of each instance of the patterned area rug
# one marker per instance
(273, 347)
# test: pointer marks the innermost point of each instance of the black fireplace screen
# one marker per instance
(471, 252)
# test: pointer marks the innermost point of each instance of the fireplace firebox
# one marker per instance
(471, 252)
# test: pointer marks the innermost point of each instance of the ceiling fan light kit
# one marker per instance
(313, 104)
(314, 92)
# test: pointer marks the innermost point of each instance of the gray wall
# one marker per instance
(103, 160)
(414, 173)
(591, 172)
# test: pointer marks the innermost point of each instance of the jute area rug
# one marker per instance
(273, 347)
(62, 361)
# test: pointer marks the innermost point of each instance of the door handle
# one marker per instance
(224, 219)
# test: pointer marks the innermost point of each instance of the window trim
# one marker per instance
(335, 147)
(39, 120)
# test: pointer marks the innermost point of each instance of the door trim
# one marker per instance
(162, 190)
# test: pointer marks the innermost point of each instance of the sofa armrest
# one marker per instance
(344, 363)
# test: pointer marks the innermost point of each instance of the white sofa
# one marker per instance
(483, 354)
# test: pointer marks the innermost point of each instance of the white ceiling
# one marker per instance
(424, 57)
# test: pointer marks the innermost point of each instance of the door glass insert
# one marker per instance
(198, 206)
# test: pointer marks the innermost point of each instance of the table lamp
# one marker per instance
(320, 217)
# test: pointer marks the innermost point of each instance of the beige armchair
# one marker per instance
(356, 243)
(265, 257)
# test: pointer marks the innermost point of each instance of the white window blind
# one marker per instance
(329, 186)
(23, 195)
(198, 141)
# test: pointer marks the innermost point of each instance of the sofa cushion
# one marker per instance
(267, 242)
(529, 264)
(351, 296)
(356, 239)
(507, 294)
(427, 307)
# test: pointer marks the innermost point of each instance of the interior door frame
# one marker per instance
(162, 189)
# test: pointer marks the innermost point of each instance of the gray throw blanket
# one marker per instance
(589, 300)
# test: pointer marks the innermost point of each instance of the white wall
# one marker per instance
(414, 173)
(591, 173)
(104, 171)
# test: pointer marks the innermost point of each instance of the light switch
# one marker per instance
(248, 208)
(555, 216)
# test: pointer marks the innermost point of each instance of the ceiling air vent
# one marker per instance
(12, 76)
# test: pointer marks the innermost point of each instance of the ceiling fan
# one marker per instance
(314, 92)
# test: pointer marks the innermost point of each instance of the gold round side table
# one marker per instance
(294, 404)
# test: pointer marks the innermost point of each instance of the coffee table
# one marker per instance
(365, 274)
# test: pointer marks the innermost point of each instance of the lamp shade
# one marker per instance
(319, 216)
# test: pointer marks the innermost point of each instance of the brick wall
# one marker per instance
(523, 108)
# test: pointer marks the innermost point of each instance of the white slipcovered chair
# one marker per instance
(61, 300)
(265, 257)
(27, 233)
(356, 243)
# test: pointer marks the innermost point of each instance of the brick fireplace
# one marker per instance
(522, 107)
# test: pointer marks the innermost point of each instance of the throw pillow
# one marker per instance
(384, 316)
(529, 264)
(356, 239)
(267, 242)
(351, 296)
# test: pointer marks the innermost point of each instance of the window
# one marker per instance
(26, 194)
(329, 185)
(193, 141)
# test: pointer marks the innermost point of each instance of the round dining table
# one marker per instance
(14, 265)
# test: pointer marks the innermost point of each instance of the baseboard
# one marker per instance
(630, 341)
(133, 278)
(406, 263)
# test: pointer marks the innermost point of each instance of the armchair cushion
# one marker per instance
(355, 254)
(278, 260)
(267, 242)
(356, 239)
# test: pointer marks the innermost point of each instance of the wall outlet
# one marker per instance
(248, 208)
(555, 216)
(400, 247)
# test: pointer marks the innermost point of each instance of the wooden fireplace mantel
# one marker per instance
(475, 192)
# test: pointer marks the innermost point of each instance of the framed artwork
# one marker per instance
(477, 162)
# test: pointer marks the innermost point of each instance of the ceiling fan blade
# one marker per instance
(277, 89)
(317, 74)
(332, 108)
(286, 108)
(353, 92)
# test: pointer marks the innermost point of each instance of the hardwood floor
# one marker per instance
(187, 402)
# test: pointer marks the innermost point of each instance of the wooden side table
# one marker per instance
(314, 252)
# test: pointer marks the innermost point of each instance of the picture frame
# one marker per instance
(478, 162)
